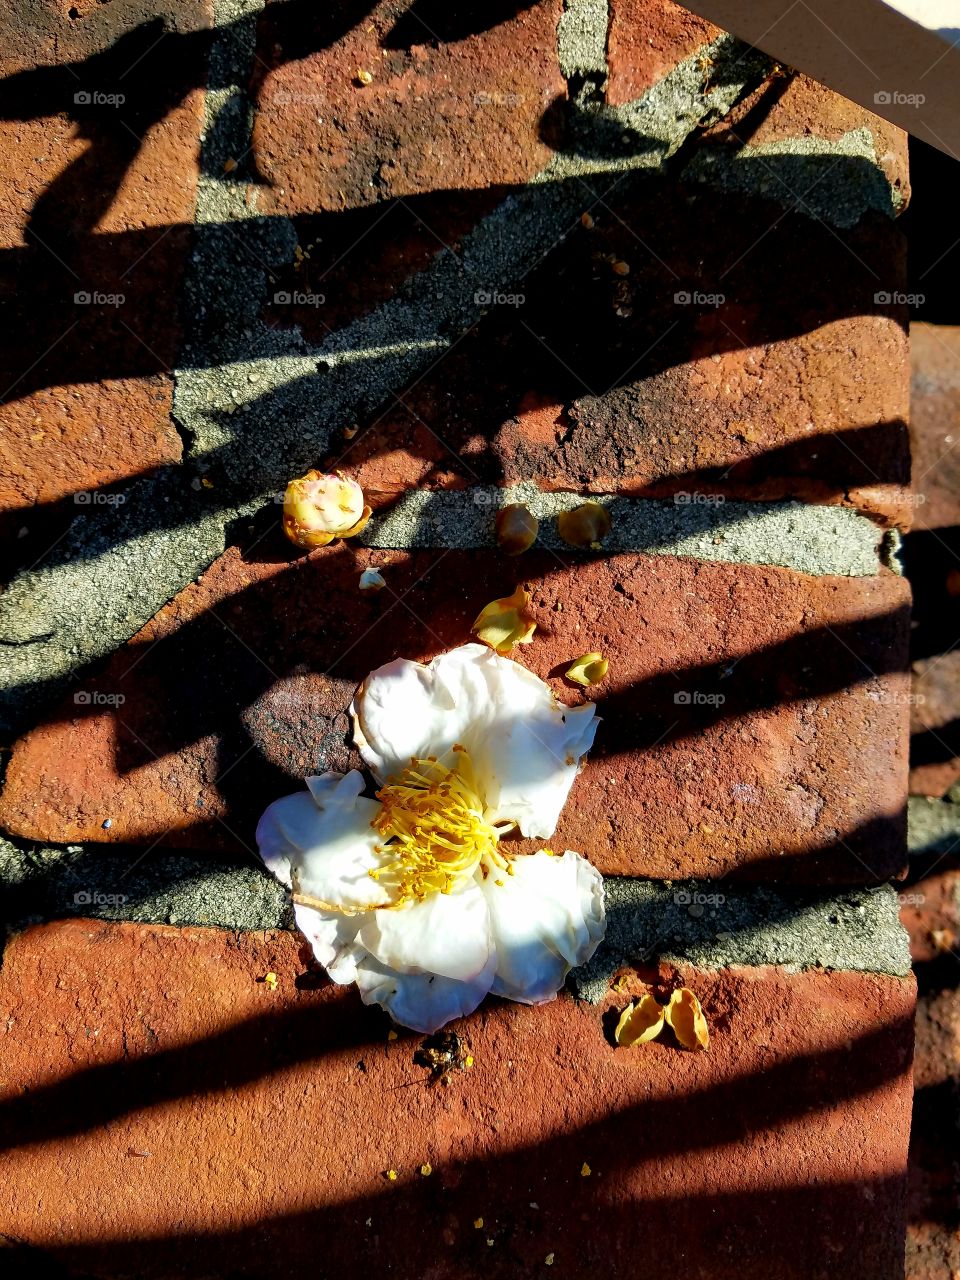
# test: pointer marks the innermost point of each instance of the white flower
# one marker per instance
(410, 895)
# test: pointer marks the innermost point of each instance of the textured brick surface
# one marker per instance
(931, 913)
(931, 557)
(646, 38)
(754, 719)
(604, 382)
(803, 109)
(183, 1119)
(97, 197)
(456, 101)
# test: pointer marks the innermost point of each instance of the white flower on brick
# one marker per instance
(412, 896)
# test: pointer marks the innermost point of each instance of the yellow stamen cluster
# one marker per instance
(434, 832)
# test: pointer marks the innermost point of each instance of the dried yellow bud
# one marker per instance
(685, 1016)
(318, 508)
(504, 623)
(590, 669)
(585, 526)
(639, 1023)
(516, 528)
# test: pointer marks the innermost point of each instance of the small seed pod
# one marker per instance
(516, 528)
(585, 526)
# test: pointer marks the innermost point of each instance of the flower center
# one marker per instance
(435, 834)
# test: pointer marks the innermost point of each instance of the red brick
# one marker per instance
(84, 208)
(931, 552)
(787, 390)
(456, 101)
(798, 775)
(181, 1118)
(930, 913)
(647, 38)
(935, 424)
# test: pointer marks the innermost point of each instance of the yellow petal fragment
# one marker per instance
(639, 1022)
(516, 528)
(590, 669)
(585, 1170)
(548, 1260)
(504, 623)
(685, 1016)
(391, 1035)
(585, 526)
(426, 1169)
(392, 1175)
(270, 981)
(478, 1223)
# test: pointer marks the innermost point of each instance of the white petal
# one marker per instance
(447, 934)
(547, 918)
(324, 836)
(407, 709)
(421, 1001)
(331, 937)
(531, 759)
(525, 746)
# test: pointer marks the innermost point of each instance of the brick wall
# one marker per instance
(421, 280)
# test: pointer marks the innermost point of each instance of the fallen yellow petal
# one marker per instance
(685, 1016)
(504, 623)
(585, 526)
(391, 1035)
(639, 1022)
(270, 980)
(585, 1170)
(392, 1175)
(590, 669)
(548, 1260)
(426, 1169)
(478, 1223)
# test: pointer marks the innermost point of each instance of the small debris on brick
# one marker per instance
(516, 528)
(372, 580)
(364, 77)
(685, 1016)
(505, 623)
(639, 1023)
(478, 1223)
(585, 526)
(426, 1169)
(590, 669)
(585, 1170)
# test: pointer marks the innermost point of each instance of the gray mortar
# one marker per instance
(795, 535)
(646, 920)
(50, 883)
(933, 825)
(112, 571)
(582, 40)
(836, 182)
